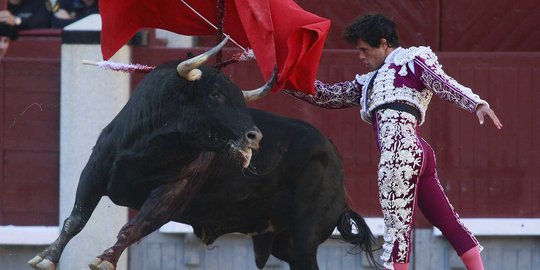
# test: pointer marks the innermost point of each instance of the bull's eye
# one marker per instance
(217, 96)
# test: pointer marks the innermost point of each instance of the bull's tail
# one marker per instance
(353, 229)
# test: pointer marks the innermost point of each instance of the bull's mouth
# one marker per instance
(243, 153)
(246, 154)
(242, 150)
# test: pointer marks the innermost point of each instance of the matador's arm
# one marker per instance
(331, 96)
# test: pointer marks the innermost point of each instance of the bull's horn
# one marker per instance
(251, 95)
(188, 68)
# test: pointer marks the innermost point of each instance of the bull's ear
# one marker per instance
(251, 95)
(189, 68)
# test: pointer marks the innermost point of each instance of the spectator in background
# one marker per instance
(8, 33)
(69, 11)
(27, 14)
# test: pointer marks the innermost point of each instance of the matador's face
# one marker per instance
(372, 57)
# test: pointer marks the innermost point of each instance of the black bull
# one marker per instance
(179, 150)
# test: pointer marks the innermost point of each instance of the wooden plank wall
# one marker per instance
(487, 172)
(29, 149)
(489, 25)
(445, 25)
(30, 129)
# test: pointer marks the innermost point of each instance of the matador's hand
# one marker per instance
(482, 110)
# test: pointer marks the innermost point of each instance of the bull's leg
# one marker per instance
(262, 246)
(162, 203)
(308, 234)
(317, 208)
(157, 210)
(297, 252)
(305, 249)
(88, 195)
(282, 248)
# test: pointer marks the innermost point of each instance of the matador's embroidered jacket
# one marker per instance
(409, 75)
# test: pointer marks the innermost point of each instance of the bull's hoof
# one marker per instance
(41, 264)
(99, 264)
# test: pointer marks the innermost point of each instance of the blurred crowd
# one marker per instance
(40, 14)
(31, 14)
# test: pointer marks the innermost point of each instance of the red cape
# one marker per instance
(279, 31)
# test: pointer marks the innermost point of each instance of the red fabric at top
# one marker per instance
(278, 31)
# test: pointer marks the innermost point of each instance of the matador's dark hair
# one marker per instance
(371, 28)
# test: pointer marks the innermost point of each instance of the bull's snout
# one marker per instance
(253, 138)
(251, 142)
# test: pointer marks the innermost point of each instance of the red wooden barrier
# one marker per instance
(29, 148)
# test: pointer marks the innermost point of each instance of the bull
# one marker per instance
(181, 150)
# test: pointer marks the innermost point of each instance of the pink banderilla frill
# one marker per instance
(127, 68)
(132, 68)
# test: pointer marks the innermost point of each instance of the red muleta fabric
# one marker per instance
(279, 31)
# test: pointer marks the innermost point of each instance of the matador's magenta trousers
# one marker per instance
(407, 176)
